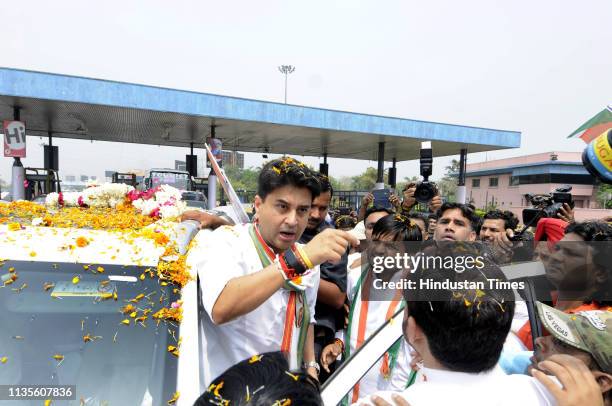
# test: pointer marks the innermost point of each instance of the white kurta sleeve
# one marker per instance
(219, 262)
(311, 294)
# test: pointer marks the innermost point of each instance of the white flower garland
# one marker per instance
(163, 201)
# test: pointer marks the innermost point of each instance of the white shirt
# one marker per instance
(224, 254)
(373, 381)
(359, 231)
(493, 388)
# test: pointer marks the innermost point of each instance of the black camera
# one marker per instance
(546, 205)
(425, 190)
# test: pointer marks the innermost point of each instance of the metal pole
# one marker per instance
(212, 180)
(324, 168)
(50, 162)
(18, 172)
(286, 70)
(393, 175)
(285, 88)
(461, 182)
(380, 183)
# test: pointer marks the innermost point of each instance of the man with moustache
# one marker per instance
(258, 285)
(456, 222)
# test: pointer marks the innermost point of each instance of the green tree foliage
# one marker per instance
(342, 183)
(243, 179)
(448, 184)
(366, 180)
(400, 185)
(604, 192)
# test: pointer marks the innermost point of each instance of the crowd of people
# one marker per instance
(286, 299)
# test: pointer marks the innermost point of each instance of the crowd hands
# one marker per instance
(566, 373)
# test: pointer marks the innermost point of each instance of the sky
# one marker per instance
(541, 67)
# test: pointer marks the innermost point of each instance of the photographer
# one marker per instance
(369, 199)
(409, 201)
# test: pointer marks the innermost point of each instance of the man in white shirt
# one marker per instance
(459, 335)
(258, 287)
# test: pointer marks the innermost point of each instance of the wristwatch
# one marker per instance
(313, 364)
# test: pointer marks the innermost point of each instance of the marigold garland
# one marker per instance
(124, 217)
(171, 268)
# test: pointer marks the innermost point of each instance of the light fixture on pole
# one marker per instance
(286, 70)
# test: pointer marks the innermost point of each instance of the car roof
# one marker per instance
(50, 244)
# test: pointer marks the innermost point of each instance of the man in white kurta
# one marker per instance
(256, 332)
(258, 286)
(373, 380)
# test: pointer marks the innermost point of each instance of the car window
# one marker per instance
(61, 325)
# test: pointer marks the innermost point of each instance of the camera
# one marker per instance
(425, 190)
(546, 205)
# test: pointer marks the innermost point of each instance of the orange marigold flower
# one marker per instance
(82, 242)
(161, 239)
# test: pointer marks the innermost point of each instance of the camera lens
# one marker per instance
(424, 192)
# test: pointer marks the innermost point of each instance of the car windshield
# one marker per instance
(174, 179)
(61, 325)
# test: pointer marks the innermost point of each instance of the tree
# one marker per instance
(401, 185)
(243, 179)
(366, 180)
(342, 183)
(448, 184)
(604, 195)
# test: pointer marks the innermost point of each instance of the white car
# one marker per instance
(82, 307)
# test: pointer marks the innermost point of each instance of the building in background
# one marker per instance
(503, 183)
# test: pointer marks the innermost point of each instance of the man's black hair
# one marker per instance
(397, 226)
(598, 233)
(345, 221)
(591, 230)
(465, 328)
(287, 172)
(326, 185)
(376, 209)
(262, 381)
(467, 212)
(418, 216)
(510, 220)
(432, 216)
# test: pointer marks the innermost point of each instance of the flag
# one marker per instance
(600, 123)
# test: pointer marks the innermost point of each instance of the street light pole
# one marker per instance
(286, 70)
